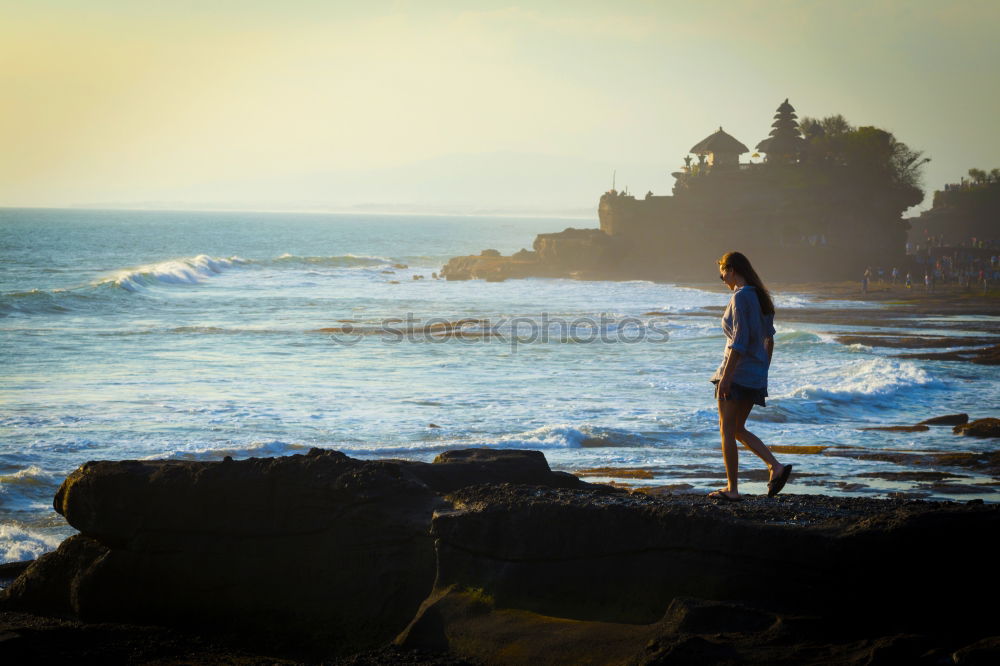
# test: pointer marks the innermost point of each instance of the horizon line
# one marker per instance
(518, 213)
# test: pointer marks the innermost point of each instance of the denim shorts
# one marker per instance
(740, 392)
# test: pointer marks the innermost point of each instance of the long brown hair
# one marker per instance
(739, 263)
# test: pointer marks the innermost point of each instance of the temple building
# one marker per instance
(785, 142)
(802, 217)
(721, 149)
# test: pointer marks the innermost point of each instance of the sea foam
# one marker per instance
(564, 436)
(847, 390)
(18, 544)
(190, 270)
(868, 378)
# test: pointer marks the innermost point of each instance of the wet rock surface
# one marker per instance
(948, 419)
(985, 462)
(982, 355)
(576, 253)
(979, 428)
(913, 341)
(486, 557)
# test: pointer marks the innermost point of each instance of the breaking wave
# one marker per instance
(869, 385)
(564, 436)
(874, 377)
(27, 489)
(18, 544)
(191, 270)
(172, 272)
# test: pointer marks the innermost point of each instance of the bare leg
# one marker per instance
(752, 442)
(732, 414)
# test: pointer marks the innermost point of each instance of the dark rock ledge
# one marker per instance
(490, 557)
(588, 254)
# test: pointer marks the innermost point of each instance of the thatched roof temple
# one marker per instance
(722, 149)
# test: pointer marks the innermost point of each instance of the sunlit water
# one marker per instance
(196, 336)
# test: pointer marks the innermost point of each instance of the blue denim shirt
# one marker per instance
(746, 328)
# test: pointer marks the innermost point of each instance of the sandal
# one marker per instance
(724, 495)
(775, 485)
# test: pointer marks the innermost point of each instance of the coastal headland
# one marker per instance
(489, 556)
(819, 200)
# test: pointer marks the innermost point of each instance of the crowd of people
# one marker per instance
(971, 264)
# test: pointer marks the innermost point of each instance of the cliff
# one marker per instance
(796, 222)
(489, 556)
(961, 212)
(826, 206)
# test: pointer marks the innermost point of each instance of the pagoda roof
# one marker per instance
(719, 142)
(785, 138)
(781, 144)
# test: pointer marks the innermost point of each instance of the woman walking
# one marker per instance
(741, 380)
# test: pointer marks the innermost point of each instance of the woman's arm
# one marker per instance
(769, 346)
(726, 382)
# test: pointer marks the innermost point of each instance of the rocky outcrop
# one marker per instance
(521, 264)
(957, 420)
(982, 356)
(601, 577)
(491, 556)
(948, 419)
(588, 250)
(979, 428)
(576, 253)
(531, 551)
(320, 547)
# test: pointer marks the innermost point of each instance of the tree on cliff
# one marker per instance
(831, 126)
(980, 177)
(874, 158)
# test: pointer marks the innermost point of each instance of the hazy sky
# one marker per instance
(477, 104)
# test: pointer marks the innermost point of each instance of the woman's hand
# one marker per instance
(726, 381)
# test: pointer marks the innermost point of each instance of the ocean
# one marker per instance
(197, 335)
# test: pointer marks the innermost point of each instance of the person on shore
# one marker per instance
(909, 280)
(741, 379)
